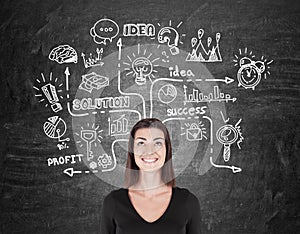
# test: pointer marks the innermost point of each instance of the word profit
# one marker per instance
(64, 160)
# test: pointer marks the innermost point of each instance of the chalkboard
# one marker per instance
(222, 75)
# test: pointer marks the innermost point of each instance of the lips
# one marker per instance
(149, 160)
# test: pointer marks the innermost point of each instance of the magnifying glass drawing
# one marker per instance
(227, 135)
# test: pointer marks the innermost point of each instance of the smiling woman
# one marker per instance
(150, 202)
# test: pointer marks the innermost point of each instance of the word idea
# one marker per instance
(139, 30)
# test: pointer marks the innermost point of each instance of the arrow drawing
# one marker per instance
(227, 80)
(119, 44)
(67, 73)
(70, 171)
(233, 168)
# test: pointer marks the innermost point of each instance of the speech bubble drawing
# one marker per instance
(104, 30)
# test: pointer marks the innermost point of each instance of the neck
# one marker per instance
(149, 180)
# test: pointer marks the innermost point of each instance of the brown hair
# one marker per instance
(132, 170)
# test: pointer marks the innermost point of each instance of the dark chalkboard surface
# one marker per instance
(222, 75)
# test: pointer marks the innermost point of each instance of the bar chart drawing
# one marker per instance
(216, 96)
(118, 126)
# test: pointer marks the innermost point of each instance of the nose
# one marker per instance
(149, 149)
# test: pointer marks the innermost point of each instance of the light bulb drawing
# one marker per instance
(141, 66)
(250, 69)
(89, 136)
(228, 135)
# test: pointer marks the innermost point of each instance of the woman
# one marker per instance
(150, 203)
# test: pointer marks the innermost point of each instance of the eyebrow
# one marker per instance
(157, 138)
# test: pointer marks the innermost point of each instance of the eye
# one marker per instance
(158, 143)
(140, 143)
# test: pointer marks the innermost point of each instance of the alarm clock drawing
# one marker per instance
(249, 74)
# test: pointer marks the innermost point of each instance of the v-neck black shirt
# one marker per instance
(182, 215)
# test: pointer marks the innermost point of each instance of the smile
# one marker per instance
(149, 160)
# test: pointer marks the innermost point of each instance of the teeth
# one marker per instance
(149, 160)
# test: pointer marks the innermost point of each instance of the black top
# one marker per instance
(182, 215)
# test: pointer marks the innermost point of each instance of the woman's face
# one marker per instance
(149, 149)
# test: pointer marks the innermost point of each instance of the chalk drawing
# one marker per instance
(140, 29)
(104, 161)
(226, 80)
(89, 135)
(195, 131)
(151, 90)
(104, 30)
(93, 61)
(48, 91)
(172, 119)
(211, 133)
(169, 35)
(133, 89)
(233, 168)
(75, 114)
(119, 45)
(93, 81)
(67, 74)
(67, 159)
(250, 69)
(133, 94)
(114, 160)
(165, 57)
(128, 110)
(197, 97)
(55, 128)
(93, 165)
(141, 66)
(208, 53)
(71, 172)
(176, 72)
(101, 103)
(63, 54)
(118, 126)
(187, 111)
(62, 146)
(228, 135)
(167, 93)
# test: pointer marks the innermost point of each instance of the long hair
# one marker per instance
(132, 170)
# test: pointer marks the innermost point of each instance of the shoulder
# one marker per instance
(115, 195)
(187, 196)
(190, 202)
(111, 201)
(183, 191)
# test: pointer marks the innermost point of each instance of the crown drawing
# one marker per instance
(208, 53)
(93, 61)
